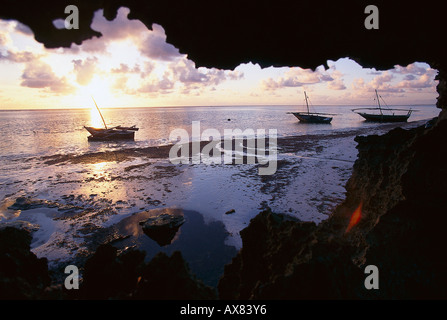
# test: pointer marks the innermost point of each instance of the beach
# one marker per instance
(74, 202)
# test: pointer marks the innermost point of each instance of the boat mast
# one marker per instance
(307, 104)
(100, 113)
(378, 101)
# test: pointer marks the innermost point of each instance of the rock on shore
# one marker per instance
(401, 182)
(106, 275)
(109, 275)
(22, 274)
(163, 227)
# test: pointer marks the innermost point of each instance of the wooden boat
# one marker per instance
(380, 116)
(113, 133)
(312, 117)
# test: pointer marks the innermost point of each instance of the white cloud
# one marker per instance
(39, 75)
(85, 70)
(118, 29)
(19, 57)
(413, 68)
(298, 77)
(424, 81)
(158, 86)
(154, 45)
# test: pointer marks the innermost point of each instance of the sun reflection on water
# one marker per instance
(101, 183)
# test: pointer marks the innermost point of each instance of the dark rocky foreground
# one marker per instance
(106, 275)
(398, 179)
(401, 183)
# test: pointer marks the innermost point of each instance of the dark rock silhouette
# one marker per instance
(22, 274)
(399, 180)
(108, 275)
(162, 228)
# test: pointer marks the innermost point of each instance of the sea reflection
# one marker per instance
(131, 226)
(100, 181)
(201, 244)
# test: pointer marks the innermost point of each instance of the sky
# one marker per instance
(133, 66)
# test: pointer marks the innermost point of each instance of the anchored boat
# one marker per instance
(312, 117)
(384, 114)
(112, 133)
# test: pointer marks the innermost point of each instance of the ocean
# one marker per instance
(28, 133)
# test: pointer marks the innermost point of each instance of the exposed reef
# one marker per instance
(399, 180)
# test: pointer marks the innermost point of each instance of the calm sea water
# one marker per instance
(28, 133)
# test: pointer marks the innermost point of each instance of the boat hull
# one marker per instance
(109, 134)
(383, 117)
(311, 118)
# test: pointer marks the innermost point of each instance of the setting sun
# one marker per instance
(100, 90)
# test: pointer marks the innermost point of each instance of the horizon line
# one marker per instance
(211, 106)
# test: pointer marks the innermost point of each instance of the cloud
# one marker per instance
(151, 43)
(93, 45)
(23, 28)
(413, 68)
(382, 83)
(39, 75)
(124, 68)
(298, 77)
(120, 83)
(424, 81)
(85, 70)
(19, 57)
(159, 86)
(294, 77)
(126, 49)
(337, 80)
(185, 72)
(234, 75)
(336, 85)
(3, 39)
(414, 77)
(180, 75)
(374, 72)
(154, 45)
(118, 29)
